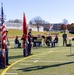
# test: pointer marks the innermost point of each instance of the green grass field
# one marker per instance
(13, 32)
(44, 61)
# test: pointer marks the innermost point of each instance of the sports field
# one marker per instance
(44, 61)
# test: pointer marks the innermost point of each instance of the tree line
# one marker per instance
(38, 21)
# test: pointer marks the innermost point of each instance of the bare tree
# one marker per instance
(30, 22)
(17, 21)
(37, 21)
(65, 21)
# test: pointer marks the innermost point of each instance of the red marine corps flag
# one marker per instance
(24, 24)
(25, 37)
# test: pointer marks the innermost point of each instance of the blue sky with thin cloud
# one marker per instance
(53, 11)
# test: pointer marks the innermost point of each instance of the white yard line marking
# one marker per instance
(45, 54)
(41, 56)
(15, 68)
(35, 61)
(12, 60)
(41, 61)
(50, 51)
(24, 64)
(27, 61)
(35, 58)
(62, 51)
(37, 51)
(11, 73)
(53, 61)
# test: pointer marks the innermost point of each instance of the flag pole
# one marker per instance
(24, 35)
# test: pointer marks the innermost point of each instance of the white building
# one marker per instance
(13, 25)
(20, 26)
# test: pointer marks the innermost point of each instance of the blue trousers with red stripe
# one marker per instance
(0, 59)
(29, 48)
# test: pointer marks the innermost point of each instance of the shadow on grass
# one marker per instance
(70, 55)
(43, 67)
(15, 57)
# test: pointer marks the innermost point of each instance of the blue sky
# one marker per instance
(53, 11)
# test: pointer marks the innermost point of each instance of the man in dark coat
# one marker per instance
(0, 49)
(30, 39)
(64, 38)
(7, 48)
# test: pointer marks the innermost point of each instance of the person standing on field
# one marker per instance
(30, 40)
(0, 49)
(64, 36)
(7, 48)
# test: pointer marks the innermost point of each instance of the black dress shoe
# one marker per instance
(0, 67)
(7, 64)
(3, 67)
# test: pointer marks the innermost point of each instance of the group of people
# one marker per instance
(50, 42)
(4, 50)
(26, 44)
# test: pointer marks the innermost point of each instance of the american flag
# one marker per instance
(2, 14)
(3, 27)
